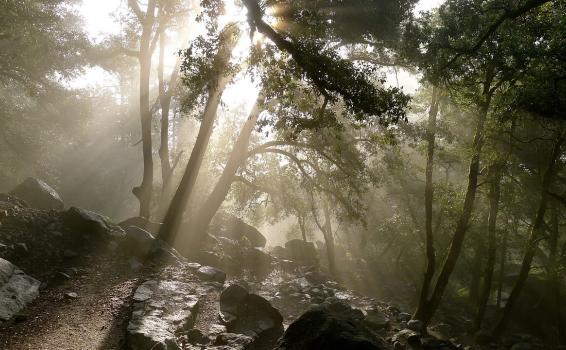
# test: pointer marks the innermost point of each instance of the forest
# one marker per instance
(283, 174)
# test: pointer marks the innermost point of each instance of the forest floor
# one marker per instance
(95, 318)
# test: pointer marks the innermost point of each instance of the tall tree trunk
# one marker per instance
(165, 102)
(174, 215)
(301, 220)
(326, 230)
(554, 275)
(218, 195)
(502, 258)
(329, 239)
(462, 226)
(166, 90)
(536, 231)
(429, 194)
(494, 175)
(476, 272)
(144, 191)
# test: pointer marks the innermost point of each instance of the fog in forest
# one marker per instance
(262, 174)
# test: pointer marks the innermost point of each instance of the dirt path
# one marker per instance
(95, 319)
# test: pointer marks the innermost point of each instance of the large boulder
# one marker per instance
(16, 290)
(161, 310)
(89, 224)
(211, 274)
(150, 226)
(303, 253)
(250, 315)
(38, 194)
(333, 325)
(138, 241)
(229, 226)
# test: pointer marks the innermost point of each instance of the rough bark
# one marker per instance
(218, 195)
(460, 232)
(144, 191)
(329, 240)
(301, 221)
(494, 174)
(554, 275)
(174, 215)
(536, 231)
(429, 194)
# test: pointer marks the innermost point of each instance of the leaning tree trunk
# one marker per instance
(165, 102)
(218, 195)
(329, 240)
(502, 258)
(536, 231)
(429, 192)
(174, 215)
(554, 275)
(460, 233)
(144, 191)
(494, 174)
(301, 220)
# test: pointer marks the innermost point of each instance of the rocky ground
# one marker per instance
(82, 282)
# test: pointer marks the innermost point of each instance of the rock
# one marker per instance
(20, 249)
(208, 258)
(404, 317)
(258, 261)
(251, 315)
(71, 295)
(522, 346)
(229, 226)
(407, 337)
(161, 309)
(134, 264)
(90, 224)
(152, 227)
(376, 319)
(138, 241)
(230, 299)
(235, 341)
(195, 336)
(332, 325)
(69, 254)
(303, 253)
(483, 337)
(193, 265)
(415, 325)
(38, 195)
(212, 274)
(16, 290)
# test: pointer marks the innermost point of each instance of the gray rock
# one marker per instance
(301, 252)
(38, 194)
(71, 295)
(193, 265)
(230, 226)
(376, 319)
(333, 325)
(403, 316)
(16, 290)
(234, 341)
(138, 241)
(251, 315)
(522, 346)
(161, 309)
(152, 227)
(212, 274)
(89, 224)
(415, 325)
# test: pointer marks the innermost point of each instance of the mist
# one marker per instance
(282, 174)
